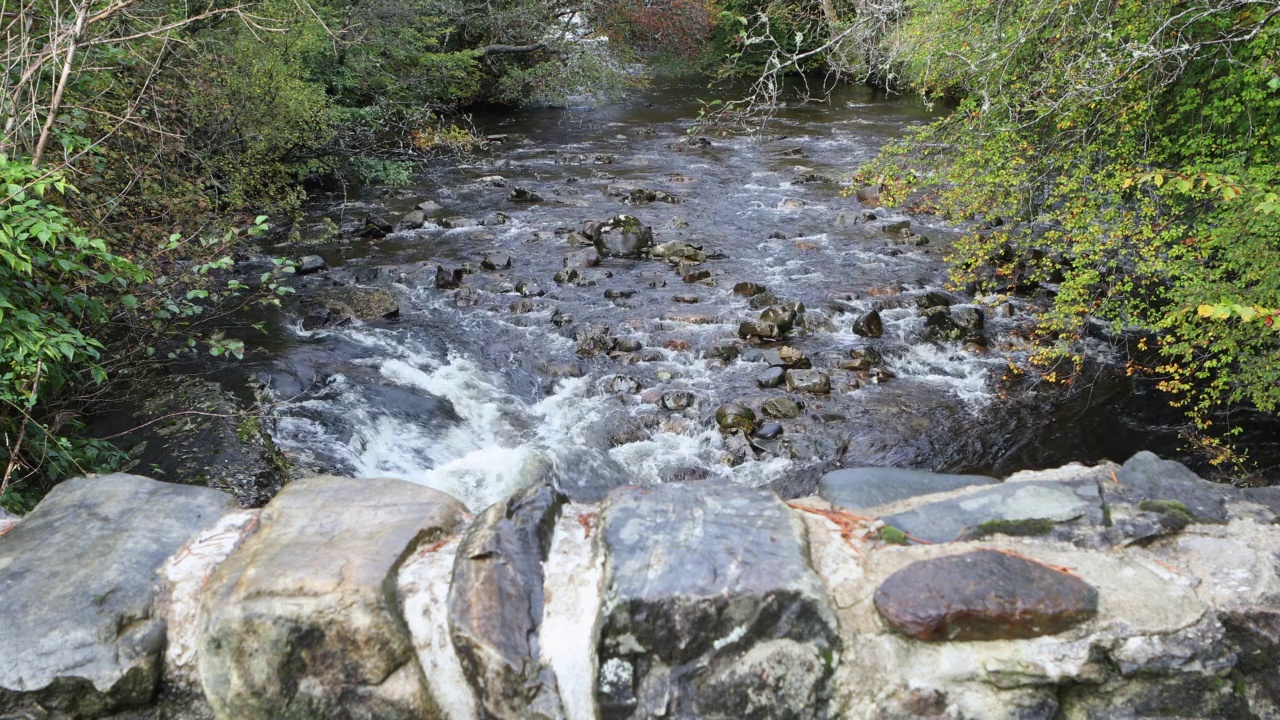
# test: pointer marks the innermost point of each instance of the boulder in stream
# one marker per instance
(622, 236)
(869, 324)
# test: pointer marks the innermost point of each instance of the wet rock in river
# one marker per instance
(781, 407)
(895, 226)
(587, 257)
(429, 206)
(625, 384)
(495, 605)
(448, 279)
(677, 400)
(771, 378)
(749, 289)
(593, 340)
(529, 288)
(762, 300)
(567, 277)
(696, 276)
(935, 298)
(727, 352)
(814, 382)
(715, 611)
(622, 236)
(376, 227)
(521, 195)
(863, 359)
(862, 488)
(496, 261)
(687, 299)
(758, 330)
(412, 220)
(677, 250)
(308, 264)
(453, 223)
(869, 324)
(769, 431)
(629, 345)
(351, 301)
(494, 219)
(939, 324)
(782, 317)
(968, 319)
(870, 196)
(786, 357)
(983, 595)
(522, 307)
(732, 416)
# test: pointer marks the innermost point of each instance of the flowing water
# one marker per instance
(479, 390)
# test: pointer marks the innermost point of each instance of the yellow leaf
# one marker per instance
(1205, 311)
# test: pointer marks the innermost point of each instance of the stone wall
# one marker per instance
(1119, 591)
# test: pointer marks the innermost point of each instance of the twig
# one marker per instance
(22, 435)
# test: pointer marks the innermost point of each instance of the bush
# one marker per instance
(53, 279)
(1131, 151)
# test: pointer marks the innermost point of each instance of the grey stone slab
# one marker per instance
(1014, 508)
(867, 487)
(78, 581)
(711, 607)
(1146, 478)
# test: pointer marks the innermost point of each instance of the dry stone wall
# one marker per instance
(1117, 591)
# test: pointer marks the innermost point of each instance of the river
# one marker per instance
(479, 390)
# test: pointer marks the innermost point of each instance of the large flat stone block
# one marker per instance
(78, 581)
(711, 608)
(302, 620)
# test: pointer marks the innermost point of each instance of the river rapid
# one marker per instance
(484, 388)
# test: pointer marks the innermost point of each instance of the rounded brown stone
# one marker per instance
(984, 595)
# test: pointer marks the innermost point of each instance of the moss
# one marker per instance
(249, 429)
(893, 535)
(1172, 513)
(1030, 526)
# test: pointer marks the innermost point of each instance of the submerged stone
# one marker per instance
(814, 382)
(984, 595)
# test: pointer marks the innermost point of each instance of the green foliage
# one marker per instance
(52, 280)
(1130, 152)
